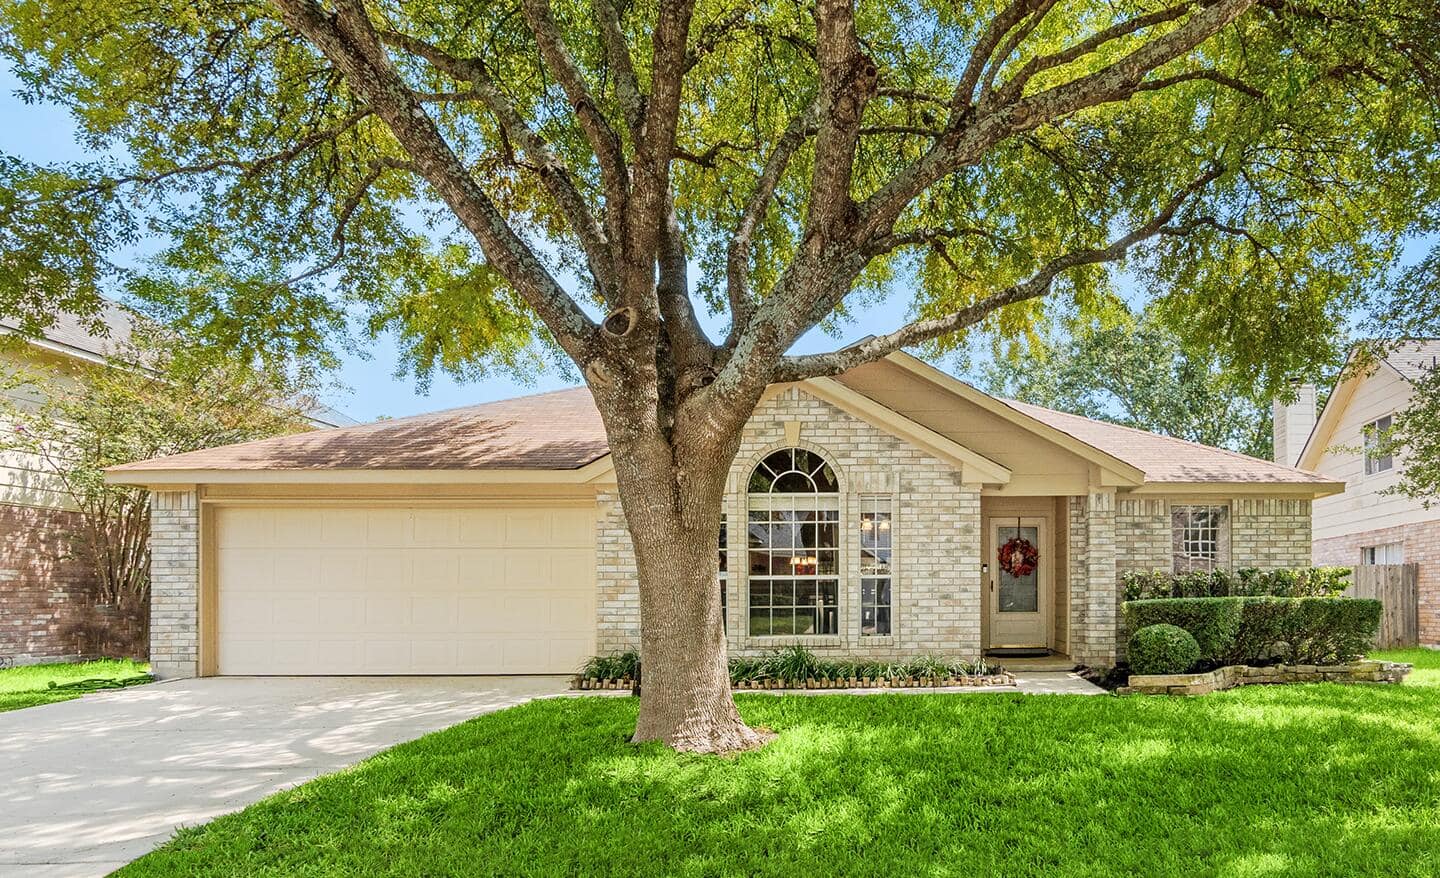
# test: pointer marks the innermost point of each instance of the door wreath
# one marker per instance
(1018, 557)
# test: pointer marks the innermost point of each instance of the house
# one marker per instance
(44, 589)
(865, 516)
(1367, 523)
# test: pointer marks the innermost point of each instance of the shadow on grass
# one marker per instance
(1314, 780)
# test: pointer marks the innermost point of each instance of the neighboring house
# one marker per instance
(1367, 524)
(43, 589)
(490, 539)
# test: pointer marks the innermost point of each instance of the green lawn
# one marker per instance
(30, 685)
(1279, 781)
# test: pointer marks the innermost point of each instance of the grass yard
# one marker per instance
(30, 685)
(1279, 781)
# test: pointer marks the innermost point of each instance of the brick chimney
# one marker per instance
(1293, 423)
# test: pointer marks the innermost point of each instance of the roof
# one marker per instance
(1165, 458)
(70, 335)
(562, 430)
(558, 430)
(1413, 358)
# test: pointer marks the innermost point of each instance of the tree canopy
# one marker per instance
(1258, 161)
(1136, 373)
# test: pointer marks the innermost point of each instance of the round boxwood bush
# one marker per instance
(1163, 649)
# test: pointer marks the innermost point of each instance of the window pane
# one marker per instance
(804, 621)
(1019, 594)
(829, 562)
(782, 594)
(829, 591)
(759, 592)
(882, 621)
(759, 622)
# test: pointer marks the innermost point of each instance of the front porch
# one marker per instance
(1050, 603)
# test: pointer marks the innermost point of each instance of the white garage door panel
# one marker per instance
(391, 590)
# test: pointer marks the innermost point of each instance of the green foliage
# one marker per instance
(796, 663)
(1245, 582)
(154, 395)
(1136, 372)
(280, 205)
(1162, 649)
(1262, 630)
(616, 666)
(1212, 622)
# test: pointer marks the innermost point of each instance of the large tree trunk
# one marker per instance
(673, 511)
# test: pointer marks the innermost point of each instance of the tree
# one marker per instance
(151, 397)
(1138, 374)
(510, 180)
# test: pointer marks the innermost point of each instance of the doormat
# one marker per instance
(1018, 652)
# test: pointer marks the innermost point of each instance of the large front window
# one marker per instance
(794, 545)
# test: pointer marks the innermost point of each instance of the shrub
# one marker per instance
(1309, 630)
(1213, 622)
(616, 666)
(1163, 649)
(1298, 582)
(1257, 630)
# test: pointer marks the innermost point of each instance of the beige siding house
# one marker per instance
(1367, 523)
(889, 512)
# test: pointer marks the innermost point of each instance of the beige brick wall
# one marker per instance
(174, 583)
(1094, 587)
(936, 586)
(1269, 532)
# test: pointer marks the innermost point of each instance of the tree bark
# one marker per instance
(673, 512)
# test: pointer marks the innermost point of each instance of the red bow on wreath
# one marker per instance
(1019, 557)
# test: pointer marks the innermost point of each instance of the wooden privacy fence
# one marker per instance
(1396, 587)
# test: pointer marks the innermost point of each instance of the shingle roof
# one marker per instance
(558, 430)
(1164, 458)
(562, 430)
(69, 332)
(1413, 358)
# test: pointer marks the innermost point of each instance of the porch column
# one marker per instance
(1093, 584)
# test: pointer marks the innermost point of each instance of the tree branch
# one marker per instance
(554, 174)
(617, 50)
(348, 39)
(737, 261)
(1036, 286)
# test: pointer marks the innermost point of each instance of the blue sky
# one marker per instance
(42, 133)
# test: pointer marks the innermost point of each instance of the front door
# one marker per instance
(1019, 592)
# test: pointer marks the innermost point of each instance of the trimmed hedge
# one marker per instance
(1260, 630)
(1301, 582)
(1163, 649)
(1213, 622)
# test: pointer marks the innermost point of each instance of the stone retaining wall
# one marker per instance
(1231, 676)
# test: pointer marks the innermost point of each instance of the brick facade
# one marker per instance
(174, 583)
(1421, 543)
(937, 600)
(45, 593)
(936, 596)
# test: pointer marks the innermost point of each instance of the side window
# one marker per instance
(1200, 537)
(724, 575)
(1378, 457)
(877, 535)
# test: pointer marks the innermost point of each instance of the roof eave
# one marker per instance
(595, 472)
(1297, 490)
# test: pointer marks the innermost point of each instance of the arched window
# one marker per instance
(794, 545)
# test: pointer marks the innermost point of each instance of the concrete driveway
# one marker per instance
(90, 784)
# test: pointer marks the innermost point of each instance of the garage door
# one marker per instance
(404, 590)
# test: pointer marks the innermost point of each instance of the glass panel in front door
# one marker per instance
(1019, 594)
